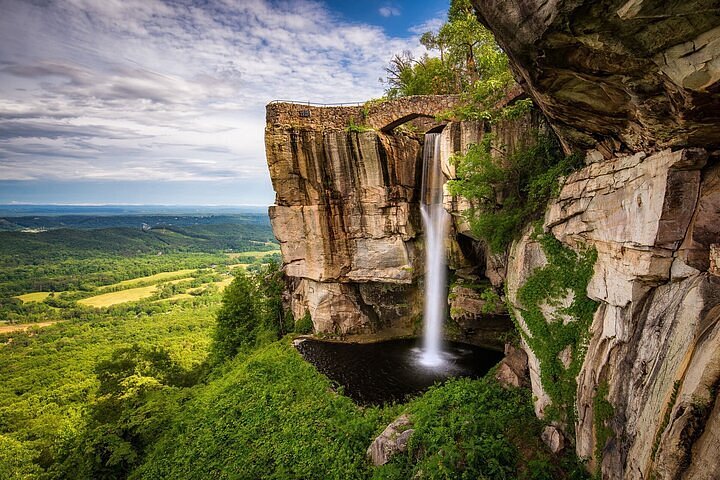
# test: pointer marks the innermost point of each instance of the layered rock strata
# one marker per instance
(347, 214)
(346, 218)
(634, 85)
(655, 338)
(617, 75)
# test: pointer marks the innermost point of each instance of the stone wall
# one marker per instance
(376, 115)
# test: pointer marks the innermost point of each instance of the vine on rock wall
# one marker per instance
(558, 315)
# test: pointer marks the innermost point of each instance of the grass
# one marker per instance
(158, 277)
(253, 254)
(122, 296)
(179, 296)
(270, 415)
(33, 297)
(23, 327)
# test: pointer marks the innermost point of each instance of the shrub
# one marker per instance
(237, 319)
(508, 191)
(476, 429)
(304, 325)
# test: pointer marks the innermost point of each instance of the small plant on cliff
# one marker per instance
(561, 285)
(493, 302)
(356, 127)
(508, 191)
(304, 325)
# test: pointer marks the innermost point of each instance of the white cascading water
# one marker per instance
(435, 222)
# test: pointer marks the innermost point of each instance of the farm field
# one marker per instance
(154, 278)
(23, 327)
(33, 297)
(122, 296)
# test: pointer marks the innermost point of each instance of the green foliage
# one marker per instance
(251, 313)
(238, 320)
(508, 191)
(424, 76)
(50, 381)
(16, 460)
(354, 127)
(135, 402)
(565, 276)
(270, 415)
(475, 429)
(304, 325)
(271, 284)
(469, 63)
(602, 412)
(493, 302)
(518, 109)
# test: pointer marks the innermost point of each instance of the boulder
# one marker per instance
(553, 438)
(392, 440)
(513, 369)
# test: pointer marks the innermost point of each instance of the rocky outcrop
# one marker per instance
(346, 218)
(653, 337)
(347, 214)
(617, 75)
(633, 85)
(512, 371)
(393, 440)
(553, 438)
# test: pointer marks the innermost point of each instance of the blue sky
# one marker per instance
(150, 101)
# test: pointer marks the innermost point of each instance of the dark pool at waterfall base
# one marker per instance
(383, 372)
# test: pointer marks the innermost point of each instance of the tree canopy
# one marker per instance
(469, 61)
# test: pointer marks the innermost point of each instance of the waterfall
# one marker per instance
(435, 222)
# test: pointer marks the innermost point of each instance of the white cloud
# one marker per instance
(431, 25)
(389, 11)
(143, 89)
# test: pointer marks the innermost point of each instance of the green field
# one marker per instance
(254, 254)
(122, 296)
(33, 297)
(153, 279)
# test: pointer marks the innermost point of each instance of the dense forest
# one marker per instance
(211, 387)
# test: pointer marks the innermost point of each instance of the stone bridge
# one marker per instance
(377, 115)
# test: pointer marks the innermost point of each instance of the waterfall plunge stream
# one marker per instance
(435, 222)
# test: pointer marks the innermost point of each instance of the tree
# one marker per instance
(238, 317)
(271, 285)
(469, 62)
(134, 403)
(425, 76)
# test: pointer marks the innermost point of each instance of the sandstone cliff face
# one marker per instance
(346, 218)
(348, 222)
(654, 337)
(633, 84)
(618, 75)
